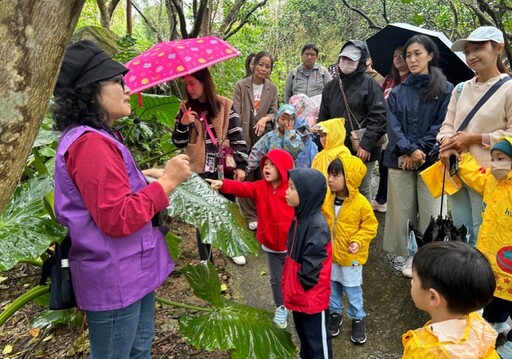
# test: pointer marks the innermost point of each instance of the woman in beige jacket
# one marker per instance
(255, 100)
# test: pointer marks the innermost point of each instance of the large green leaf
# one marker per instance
(26, 229)
(220, 222)
(164, 108)
(244, 332)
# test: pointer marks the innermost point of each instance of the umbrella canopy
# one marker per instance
(170, 60)
(384, 42)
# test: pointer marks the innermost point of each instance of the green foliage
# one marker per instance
(26, 227)
(244, 332)
(219, 221)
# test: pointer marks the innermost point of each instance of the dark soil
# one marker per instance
(26, 341)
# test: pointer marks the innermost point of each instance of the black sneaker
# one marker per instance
(358, 332)
(334, 323)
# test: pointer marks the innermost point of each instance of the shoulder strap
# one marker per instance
(483, 100)
(202, 117)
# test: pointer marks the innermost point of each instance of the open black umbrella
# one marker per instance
(439, 229)
(384, 42)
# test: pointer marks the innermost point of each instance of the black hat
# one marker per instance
(85, 63)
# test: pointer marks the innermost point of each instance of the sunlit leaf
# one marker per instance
(164, 108)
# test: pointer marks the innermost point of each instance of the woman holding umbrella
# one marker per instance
(491, 122)
(255, 100)
(205, 119)
(416, 109)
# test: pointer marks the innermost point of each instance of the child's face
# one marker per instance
(501, 164)
(419, 295)
(292, 196)
(323, 138)
(270, 172)
(336, 183)
(285, 122)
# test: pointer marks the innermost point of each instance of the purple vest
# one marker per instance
(108, 273)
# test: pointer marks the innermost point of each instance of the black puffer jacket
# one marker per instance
(366, 101)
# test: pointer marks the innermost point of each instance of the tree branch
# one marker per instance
(361, 13)
(243, 21)
(199, 18)
(158, 35)
(182, 20)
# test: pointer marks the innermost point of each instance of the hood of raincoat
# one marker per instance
(282, 160)
(355, 170)
(334, 143)
(365, 53)
(311, 188)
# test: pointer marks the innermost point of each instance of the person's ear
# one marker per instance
(435, 298)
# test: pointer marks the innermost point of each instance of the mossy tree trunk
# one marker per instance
(34, 37)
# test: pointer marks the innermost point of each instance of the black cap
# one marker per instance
(85, 63)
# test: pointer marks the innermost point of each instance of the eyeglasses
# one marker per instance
(310, 54)
(119, 79)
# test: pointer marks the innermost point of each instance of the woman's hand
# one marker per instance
(363, 154)
(188, 115)
(444, 155)
(414, 161)
(461, 141)
(259, 128)
(176, 171)
(153, 172)
(239, 175)
(215, 184)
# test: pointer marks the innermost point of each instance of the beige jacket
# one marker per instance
(494, 117)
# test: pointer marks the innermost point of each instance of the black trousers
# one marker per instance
(498, 311)
(315, 338)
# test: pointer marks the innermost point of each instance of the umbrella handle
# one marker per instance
(442, 191)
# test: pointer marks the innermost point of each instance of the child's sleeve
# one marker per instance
(239, 189)
(259, 150)
(293, 144)
(472, 174)
(368, 227)
(313, 255)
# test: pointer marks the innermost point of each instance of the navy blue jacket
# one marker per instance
(411, 122)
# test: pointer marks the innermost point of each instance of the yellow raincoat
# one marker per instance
(494, 238)
(478, 342)
(356, 221)
(334, 144)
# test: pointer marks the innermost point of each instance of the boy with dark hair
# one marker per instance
(274, 216)
(307, 269)
(450, 281)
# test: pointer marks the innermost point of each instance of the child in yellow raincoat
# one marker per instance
(353, 225)
(494, 238)
(450, 281)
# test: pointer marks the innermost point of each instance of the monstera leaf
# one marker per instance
(243, 331)
(26, 228)
(220, 222)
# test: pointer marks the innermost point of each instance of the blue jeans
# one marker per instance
(466, 208)
(123, 333)
(354, 297)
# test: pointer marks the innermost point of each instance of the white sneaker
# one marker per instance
(379, 207)
(239, 260)
(281, 317)
(252, 225)
(407, 269)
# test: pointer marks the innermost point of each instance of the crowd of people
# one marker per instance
(303, 180)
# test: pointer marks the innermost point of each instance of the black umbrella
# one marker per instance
(384, 42)
(439, 229)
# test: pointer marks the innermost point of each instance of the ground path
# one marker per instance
(388, 303)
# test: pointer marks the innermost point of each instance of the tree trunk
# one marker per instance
(35, 35)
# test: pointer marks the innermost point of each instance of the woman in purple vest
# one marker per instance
(118, 255)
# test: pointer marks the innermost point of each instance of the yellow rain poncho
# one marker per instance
(334, 144)
(477, 341)
(356, 221)
(494, 238)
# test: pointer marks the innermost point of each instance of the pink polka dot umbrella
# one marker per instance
(170, 60)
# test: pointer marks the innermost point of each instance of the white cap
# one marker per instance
(352, 52)
(480, 34)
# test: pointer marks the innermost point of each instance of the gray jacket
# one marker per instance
(312, 85)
